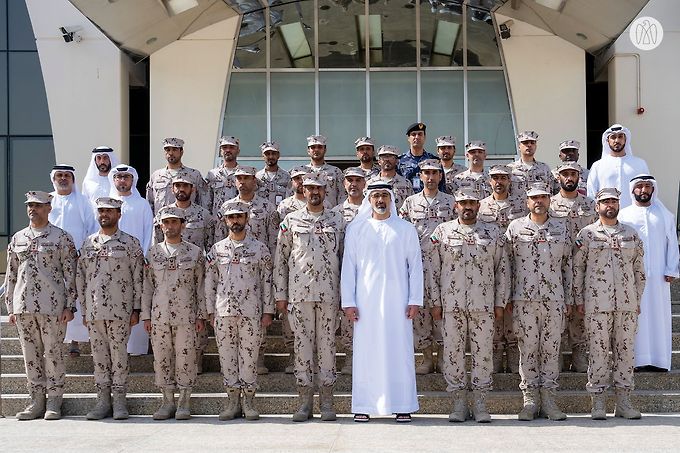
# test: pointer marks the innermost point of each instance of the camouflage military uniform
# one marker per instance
(468, 275)
(502, 212)
(583, 179)
(609, 274)
(470, 179)
(335, 191)
(374, 171)
(348, 210)
(199, 227)
(449, 175)
(40, 283)
(426, 216)
(238, 287)
(109, 280)
(222, 186)
(307, 275)
(290, 204)
(159, 188)
(579, 212)
(173, 299)
(524, 174)
(263, 222)
(541, 287)
(273, 189)
(401, 187)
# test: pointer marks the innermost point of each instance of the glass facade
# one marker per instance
(346, 68)
(26, 146)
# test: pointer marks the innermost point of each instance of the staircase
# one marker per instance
(654, 392)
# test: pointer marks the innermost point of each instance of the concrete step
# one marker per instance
(572, 402)
(281, 382)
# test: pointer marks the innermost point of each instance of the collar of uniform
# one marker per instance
(601, 227)
(115, 235)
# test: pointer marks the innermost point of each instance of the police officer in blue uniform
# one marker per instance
(408, 162)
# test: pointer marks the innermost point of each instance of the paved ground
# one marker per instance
(655, 432)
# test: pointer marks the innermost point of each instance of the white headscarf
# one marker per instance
(655, 201)
(64, 167)
(123, 168)
(365, 211)
(92, 170)
(615, 128)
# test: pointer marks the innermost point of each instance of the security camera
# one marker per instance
(504, 29)
(70, 36)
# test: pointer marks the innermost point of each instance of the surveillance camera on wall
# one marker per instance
(70, 36)
(504, 29)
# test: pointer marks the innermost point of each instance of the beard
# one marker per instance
(568, 186)
(379, 209)
(643, 197)
(610, 213)
(236, 227)
(104, 168)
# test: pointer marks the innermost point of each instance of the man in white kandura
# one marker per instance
(656, 227)
(96, 183)
(617, 165)
(137, 221)
(382, 288)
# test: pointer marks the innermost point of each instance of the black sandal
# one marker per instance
(361, 418)
(403, 418)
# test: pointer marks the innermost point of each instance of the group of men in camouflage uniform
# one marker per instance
(499, 266)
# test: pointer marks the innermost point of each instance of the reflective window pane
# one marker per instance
(4, 190)
(31, 160)
(292, 37)
(482, 42)
(251, 48)
(397, 27)
(246, 115)
(393, 106)
(292, 98)
(342, 110)
(489, 117)
(28, 102)
(3, 93)
(441, 34)
(442, 108)
(20, 28)
(339, 44)
(4, 241)
(3, 25)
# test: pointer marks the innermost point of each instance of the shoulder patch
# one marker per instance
(434, 239)
(578, 243)
(283, 227)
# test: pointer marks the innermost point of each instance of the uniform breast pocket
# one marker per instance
(418, 215)
(453, 246)
(627, 247)
(301, 236)
(330, 237)
(23, 251)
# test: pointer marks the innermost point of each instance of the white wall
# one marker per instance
(86, 84)
(188, 82)
(548, 87)
(653, 133)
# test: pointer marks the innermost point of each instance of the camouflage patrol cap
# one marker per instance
(364, 141)
(388, 149)
(446, 140)
(537, 188)
(108, 202)
(354, 171)
(570, 166)
(270, 146)
(182, 179)
(467, 193)
(570, 144)
(299, 171)
(500, 170)
(475, 144)
(314, 179)
(234, 207)
(228, 140)
(171, 212)
(174, 142)
(526, 136)
(244, 170)
(607, 193)
(430, 164)
(316, 140)
(38, 196)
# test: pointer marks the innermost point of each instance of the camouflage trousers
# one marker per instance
(238, 342)
(615, 332)
(346, 332)
(42, 338)
(314, 325)
(202, 337)
(539, 326)
(457, 328)
(174, 355)
(504, 334)
(574, 336)
(287, 331)
(108, 339)
(426, 330)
